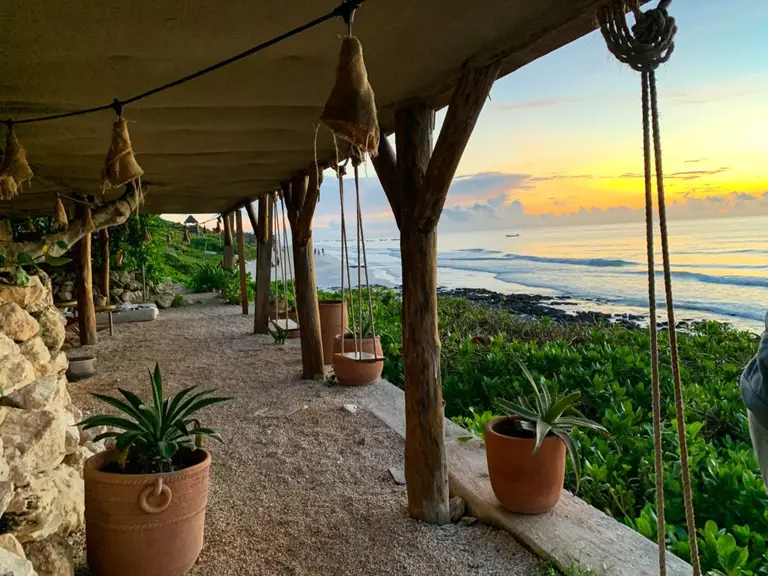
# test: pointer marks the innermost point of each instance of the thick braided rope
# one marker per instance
(656, 387)
(679, 402)
(649, 44)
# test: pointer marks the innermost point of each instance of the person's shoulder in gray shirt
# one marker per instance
(754, 381)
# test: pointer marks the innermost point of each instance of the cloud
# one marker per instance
(685, 175)
(542, 103)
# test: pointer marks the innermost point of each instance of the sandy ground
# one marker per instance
(300, 486)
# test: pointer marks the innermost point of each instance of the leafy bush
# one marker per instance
(152, 435)
(178, 301)
(610, 366)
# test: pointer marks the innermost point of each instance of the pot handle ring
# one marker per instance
(157, 489)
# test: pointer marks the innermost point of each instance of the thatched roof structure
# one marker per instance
(228, 137)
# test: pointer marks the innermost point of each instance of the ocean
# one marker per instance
(720, 266)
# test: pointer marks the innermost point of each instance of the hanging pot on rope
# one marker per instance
(31, 225)
(119, 258)
(187, 239)
(350, 111)
(147, 235)
(60, 221)
(120, 166)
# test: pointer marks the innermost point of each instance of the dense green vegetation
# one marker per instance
(166, 255)
(610, 366)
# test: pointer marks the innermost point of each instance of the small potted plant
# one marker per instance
(360, 360)
(145, 499)
(526, 448)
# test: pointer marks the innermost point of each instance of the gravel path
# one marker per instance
(301, 486)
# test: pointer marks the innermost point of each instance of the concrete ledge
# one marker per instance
(573, 532)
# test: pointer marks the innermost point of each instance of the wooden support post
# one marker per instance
(416, 183)
(263, 265)
(300, 199)
(86, 313)
(252, 217)
(104, 240)
(241, 262)
(229, 257)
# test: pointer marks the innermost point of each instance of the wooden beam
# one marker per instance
(466, 103)
(86, 313)
(229, 258)
(385, 165)
(310, 200)
(263, 266)
(241, 262)
(252, 217)
(104, 241)
(300, 199)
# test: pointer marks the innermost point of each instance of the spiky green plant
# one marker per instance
(550, 414)
(279, 334)
(148, 436)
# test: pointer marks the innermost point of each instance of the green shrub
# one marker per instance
(610, 366)
(178, 301)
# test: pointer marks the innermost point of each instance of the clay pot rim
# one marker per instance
(91, 469)
(489, 430)
(81, 359)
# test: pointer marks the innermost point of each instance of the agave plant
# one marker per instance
(150, 435)
(550, 414)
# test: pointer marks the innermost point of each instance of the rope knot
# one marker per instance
(648, 44)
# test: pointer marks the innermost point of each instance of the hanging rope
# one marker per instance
(644, 48)
(361, 236)
(340, 171)
(286, 259)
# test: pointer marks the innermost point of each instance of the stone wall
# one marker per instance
(41, 451)
(124, 288)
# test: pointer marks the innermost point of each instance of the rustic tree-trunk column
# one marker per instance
(104, 240)
(229, 258)
(241, 262)
(86, 313)
(301, 199)
(263, 265)
(426, 465)
(416, 183)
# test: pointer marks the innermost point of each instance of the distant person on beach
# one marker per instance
(754, 391)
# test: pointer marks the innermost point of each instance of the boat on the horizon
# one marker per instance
(512, 235)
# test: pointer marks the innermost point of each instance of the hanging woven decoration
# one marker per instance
(350, 111)
(187, 239)
(60, 221)
(119, 258)
(168, 239)
(31, 225)
(8, 188)
(14, 164)
(120, 166)
(89, 227)
(147, 235)
(218, 226)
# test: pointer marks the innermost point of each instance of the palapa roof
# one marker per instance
(225, 138)
(190, 220)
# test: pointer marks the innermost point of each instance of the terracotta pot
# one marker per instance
(147, 524)
(351, 371)
(331, 324)
(524, 482)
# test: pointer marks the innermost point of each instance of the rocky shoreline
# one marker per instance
(537, 306)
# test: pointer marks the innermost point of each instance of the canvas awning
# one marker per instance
(226, 138)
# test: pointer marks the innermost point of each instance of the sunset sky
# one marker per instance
(560, 142)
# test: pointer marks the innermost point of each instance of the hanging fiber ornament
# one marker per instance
(60, 221)
(218, 226)
(8, 188)
(187, 239)
(14, 162)
(147, 235)
(88, 221)
(119, 258)
(31, 225)
(120, 166)
(350, 111)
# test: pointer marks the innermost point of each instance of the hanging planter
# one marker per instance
(357, 361)
(187, 240)
(120, 166)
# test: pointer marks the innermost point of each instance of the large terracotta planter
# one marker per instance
(524, 482)
(144, 524)
(352, 371)
(331, 324)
